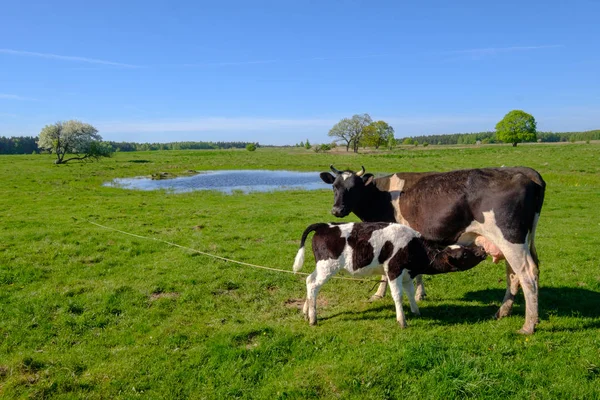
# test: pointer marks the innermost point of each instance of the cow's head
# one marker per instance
(348, 187)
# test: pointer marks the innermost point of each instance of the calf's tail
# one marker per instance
(299, 260)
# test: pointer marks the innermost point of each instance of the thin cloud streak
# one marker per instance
(496, 50)
(16, 97)
(66, 58)
(468, 52)
(273, 61)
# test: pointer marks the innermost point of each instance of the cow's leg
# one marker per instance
(522, 263)
(512, 287)
(381, 289)
(396, 290)
(409, 288)
(325, 269)
(420, 288)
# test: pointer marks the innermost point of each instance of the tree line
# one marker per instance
(29, 145)
(18, 145)
(132, 146)
(490, 137)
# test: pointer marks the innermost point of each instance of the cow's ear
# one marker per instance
(367, 179)
(327, 177)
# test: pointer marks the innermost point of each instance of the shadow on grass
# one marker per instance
(446, 314)
(561, 302)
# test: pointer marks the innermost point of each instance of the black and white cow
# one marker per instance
(367, 248)
(497, 207)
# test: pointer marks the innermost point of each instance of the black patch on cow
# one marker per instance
(328, 243)
(362, 251)
(386, 252)
(441, 206)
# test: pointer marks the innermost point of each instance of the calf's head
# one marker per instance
(348, 188)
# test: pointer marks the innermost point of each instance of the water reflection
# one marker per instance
(228, 181)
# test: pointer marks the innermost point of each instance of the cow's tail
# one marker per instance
(299, 260)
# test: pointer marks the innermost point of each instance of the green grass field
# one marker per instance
(87, 312)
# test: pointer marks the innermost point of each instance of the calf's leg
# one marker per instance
(409, 288)
(325, 270)
(396, 290)
(380, 294)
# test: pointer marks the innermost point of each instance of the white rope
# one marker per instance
(213, 255)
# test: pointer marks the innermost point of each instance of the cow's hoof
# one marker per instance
(313, 323)
(524, 331)
(402, 324)
(501, 313)
(375, 297)
(420, 296)
(417, 313)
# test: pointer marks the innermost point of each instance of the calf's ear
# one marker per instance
(327, 177)
(367, 179)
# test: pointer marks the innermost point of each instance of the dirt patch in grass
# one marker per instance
(170, 295)
(299, 303)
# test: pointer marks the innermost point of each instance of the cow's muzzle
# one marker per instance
(339, 212)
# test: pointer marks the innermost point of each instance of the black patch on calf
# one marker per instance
(328, 243)
(362, 251)
(454, 260)
(386, 252)
(413, 257)
(422, 257)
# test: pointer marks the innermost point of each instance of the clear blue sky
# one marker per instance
(280, 72)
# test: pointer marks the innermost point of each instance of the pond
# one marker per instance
(227, 181)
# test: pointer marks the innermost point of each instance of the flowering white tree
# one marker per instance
(73, 137)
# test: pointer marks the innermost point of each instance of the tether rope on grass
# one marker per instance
(215, 256)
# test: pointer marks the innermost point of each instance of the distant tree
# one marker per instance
(391, 142)
(350, 130)
(318, 148)
(251, 147)
(73, 137)
(377, 134)
(516, 126)
(408, 141)
(307, 145)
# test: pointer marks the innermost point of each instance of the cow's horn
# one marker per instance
(334, 170)
(361, 172)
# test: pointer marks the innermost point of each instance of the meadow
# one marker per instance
(87, 312)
